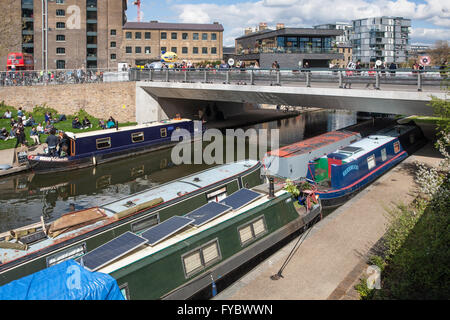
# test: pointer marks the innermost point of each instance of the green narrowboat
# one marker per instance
(185, 262)
(26, 250)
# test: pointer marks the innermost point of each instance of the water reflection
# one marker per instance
(25, 198)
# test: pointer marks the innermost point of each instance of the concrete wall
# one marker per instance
(102, 100)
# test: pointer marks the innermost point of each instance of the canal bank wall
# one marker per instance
(333, 255)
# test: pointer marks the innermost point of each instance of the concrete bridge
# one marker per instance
(164, 93)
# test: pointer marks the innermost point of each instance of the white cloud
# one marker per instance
(306, 13)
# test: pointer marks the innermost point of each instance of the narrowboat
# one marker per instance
(95, 147)
(29, 249)
(344, 172)
(186, 254)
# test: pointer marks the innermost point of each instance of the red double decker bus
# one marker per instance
(20, 61)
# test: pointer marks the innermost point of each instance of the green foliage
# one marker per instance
(441, 109)
(80, 114)
(39, 111)
(4, 107)
(364, 291)
(291, 188)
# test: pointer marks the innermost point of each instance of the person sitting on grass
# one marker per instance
(40, 128)
(49, 127)
(7, 114)
(12, 122)
(111, 123)
(4, 134)
(20, 112)
(101, 124)
(76, 124)
(86, 123)
(34, 135)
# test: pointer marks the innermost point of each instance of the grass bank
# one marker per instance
(39, 116)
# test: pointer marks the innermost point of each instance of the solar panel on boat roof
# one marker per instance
(207, 212)
(112, 250)
(165, 229)
(241, 198)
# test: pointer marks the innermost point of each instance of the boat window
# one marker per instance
(252, 230)
(412, 138)
(137, 137)
(202, 257)
(217, 195)
(397, 147)
(371, 162)
(71, 253)
(145, 223)
(383, 154)
(103, 143)
(163, 132)
(125, 291)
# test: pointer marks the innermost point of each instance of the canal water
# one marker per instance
(26, 197)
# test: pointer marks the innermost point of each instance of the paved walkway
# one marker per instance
(332, 257)
(7, 158)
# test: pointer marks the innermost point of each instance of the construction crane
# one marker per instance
(138, 4)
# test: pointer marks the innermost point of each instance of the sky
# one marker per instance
(430, 19)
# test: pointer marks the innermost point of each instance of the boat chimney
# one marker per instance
(271, 188)
(117, 125)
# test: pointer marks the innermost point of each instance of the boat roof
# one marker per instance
(128, 128)
(186, 233)
(310, 144)
(168, 191)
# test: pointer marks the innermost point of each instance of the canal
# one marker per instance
(26, 197)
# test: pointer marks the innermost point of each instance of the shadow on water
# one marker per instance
(26, 197)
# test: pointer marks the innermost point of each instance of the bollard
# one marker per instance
(185, 77)
(340, 79)
(278, 79)
(377, 81)
(227, 81)
(271, 187)
(419, 81)
(308, 80)
(252, 82)
(150, 75)
(205, 75)
(167, 75)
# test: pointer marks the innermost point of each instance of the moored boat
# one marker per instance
(31, 248)
(346, 171)
(96, 147)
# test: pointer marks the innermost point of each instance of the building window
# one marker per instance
(60, 1)
(113, 44)
(60, 12)
(128, 50)
(213, 50)
(163, 35)
(113, 32)
(252, 231)
(60, 64)
(195, 50)
(214, 36)
(163, 49)
(137, 49)
(145, 223)
(204, 36)
(148, 35)
(173, 36)
(174, 49)
(60, 50)
(103, 143)
(184, 36)
(113, 56)
(148, 50)
(129, 35)
(195, 36)
(137, 137)
(371, 162)
(60, 25)
(60, 37)
(138, 35)
(201, 258)
(204, 50)
(71, 253)
(184, 50)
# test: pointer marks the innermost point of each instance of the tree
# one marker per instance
(439, 52)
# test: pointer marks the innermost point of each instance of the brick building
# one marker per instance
(144, 41)
(79, 32)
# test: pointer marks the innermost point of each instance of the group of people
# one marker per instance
(58, 145)
(111, 123)
(86, 123)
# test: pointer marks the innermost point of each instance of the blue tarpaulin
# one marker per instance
(65, 281)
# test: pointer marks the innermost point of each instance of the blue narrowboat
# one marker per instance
(344, 172)
(96, 147)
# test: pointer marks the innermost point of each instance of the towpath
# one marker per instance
(332, 258)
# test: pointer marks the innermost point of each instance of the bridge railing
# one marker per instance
(342, 78)
(58, 77)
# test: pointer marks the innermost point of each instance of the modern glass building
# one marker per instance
(290, 47)
(381, 38)
(344, 26)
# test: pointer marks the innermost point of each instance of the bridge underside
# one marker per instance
(160, 96)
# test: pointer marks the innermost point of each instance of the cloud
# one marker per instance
(306, 13)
